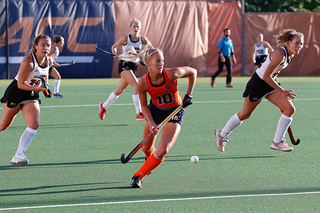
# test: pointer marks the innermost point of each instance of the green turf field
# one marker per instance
(75, 157)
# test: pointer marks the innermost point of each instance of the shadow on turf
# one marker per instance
(29, 190)
(136, 160)
(61, 126)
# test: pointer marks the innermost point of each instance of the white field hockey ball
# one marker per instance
(194, 159)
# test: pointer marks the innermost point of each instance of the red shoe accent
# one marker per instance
(102, 113)
(140, 117)
(212, 83)
(229, 86)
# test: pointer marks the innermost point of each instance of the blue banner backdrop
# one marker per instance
(83, 24)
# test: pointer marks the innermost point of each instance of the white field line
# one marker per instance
(160, 200)
(196, 102)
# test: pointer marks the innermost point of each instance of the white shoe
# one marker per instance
(220, 141)
(282, 146)
(19, 160)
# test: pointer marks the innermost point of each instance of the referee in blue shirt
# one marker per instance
(226, 52)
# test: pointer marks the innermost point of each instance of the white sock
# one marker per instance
(25, 140)
(56, 86)
(283, 124)
(112, 97)
(233, 123)
(136, 102)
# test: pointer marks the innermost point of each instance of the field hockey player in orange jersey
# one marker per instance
(161, 84)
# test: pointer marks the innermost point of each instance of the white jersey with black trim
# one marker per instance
(37, 70)
(137, 45)
(56, 54)
(263, 66)
(260, 50)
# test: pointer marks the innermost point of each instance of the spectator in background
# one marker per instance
(226, 52)
(260, 50)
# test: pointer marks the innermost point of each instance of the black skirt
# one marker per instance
(257, 88)
(14, 96)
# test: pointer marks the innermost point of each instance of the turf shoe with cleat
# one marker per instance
(229, 85)
(136, 182)
(140, 117)
(102, 112)
(212, 83)
(19, 160)
(282, 146)
(220, 141)
(57, 95)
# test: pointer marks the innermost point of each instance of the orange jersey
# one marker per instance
(165, 95)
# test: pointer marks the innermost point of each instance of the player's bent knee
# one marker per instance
(33, 125)
(289, 112)
(160, 153)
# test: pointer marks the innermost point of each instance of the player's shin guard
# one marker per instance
(233, 123)
(56, 86)
(136, 103)
(25, 140)
(112, 98)
(283, 124)
(150, 164)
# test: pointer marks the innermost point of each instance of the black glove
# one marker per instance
(47, 93)
(187, 100)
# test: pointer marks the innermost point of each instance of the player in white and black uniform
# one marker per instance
(260, 50)
(263, 85)
(23, 95)
(256, 87)
(58, 43)
(133, 41)
(137, 45)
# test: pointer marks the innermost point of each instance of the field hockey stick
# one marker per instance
(104, 51)
(251, 68)
(134, 151)
(109, 53)
(47, 93)
(293, 141)
(67, 64)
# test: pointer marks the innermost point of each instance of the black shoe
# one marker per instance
(136, 182)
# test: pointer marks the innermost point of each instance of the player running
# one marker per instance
(161, 84)
(263, 85)
(23, 94)
(136, 42)
(58, 43)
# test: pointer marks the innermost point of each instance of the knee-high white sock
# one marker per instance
(136, 102)
(283, 124)
(56, 86)
(233, 123)
(25, 140)
(112, 97)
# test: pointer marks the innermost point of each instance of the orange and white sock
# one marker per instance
(150, 164)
